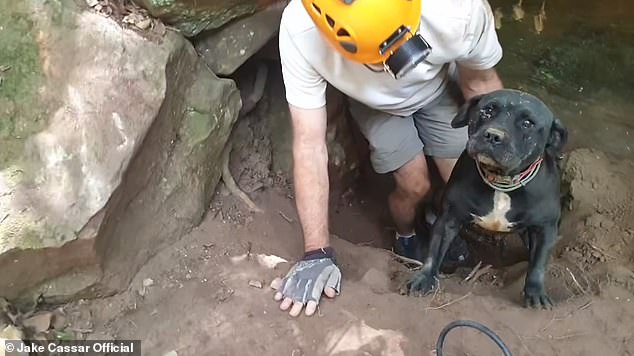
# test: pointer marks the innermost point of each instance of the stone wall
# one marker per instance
(114, 147)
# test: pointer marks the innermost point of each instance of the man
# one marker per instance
(397, 61)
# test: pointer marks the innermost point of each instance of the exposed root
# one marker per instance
(419, 264)
(248, 104)
(230, 183)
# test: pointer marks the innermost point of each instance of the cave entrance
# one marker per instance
(358, 209)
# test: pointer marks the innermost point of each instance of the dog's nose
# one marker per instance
(494, 136)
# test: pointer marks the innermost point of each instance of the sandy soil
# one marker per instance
(209, 293)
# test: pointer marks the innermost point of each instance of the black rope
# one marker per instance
(472, 324)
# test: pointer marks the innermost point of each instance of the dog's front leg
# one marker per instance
(542, 239)
(444, 231)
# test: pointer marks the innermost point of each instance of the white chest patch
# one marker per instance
(496, 219)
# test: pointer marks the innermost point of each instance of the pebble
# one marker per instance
(256, 284)
(143, 24)
(148, 282)
(92, 3)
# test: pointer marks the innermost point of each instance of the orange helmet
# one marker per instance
(372, 31)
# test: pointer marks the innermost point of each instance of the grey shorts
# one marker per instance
(395, 140)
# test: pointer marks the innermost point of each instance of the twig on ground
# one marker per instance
(473, 271)
(481, 272)
(289, 220)
(574, 279)
(433, 297)
(449, 303)
(406, 259)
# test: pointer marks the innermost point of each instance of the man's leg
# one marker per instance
(412, 184)
(396, 148)
(444, 144)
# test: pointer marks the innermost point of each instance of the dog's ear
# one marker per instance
(462, 117)
(557, 139)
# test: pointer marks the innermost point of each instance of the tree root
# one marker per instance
(248, 104)
(230, 183)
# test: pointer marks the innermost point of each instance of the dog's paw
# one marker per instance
(421, 284)
(537, 300)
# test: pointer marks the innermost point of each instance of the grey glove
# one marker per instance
(308, 278)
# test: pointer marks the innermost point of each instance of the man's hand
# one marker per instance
(475, 82)
(305, 282)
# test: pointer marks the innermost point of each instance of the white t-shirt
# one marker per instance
(460, 31)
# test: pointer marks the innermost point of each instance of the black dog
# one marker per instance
(506, 180)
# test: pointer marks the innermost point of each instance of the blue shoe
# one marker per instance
(409, 247)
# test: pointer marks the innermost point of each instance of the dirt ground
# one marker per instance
(209, 293)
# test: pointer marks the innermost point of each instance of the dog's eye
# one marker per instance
(527, 124)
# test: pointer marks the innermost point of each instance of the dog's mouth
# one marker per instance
(489, 164)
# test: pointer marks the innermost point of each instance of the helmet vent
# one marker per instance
(348, 46)
(331, 22)
(343, 33)
(316, 8)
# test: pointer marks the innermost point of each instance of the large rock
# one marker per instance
(111, 148)
(226, 50)
(193, 17)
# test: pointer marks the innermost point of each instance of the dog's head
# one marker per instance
(509, 129)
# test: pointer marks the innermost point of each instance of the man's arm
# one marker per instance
(476, 67)
(310, 174)
(474, 82)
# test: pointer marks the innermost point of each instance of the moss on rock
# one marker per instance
(191, 19)
(21, 77)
